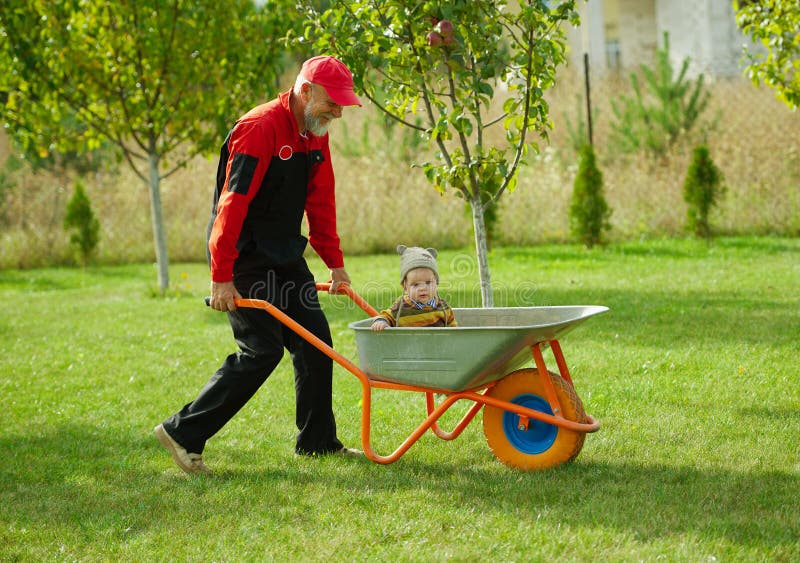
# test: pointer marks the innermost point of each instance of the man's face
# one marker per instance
(320, 111)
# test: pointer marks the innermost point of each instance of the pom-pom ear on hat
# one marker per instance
(416, 257)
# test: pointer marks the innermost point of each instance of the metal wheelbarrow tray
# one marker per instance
(532, 417)
(488, 344)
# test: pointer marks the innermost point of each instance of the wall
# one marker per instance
(704, 30)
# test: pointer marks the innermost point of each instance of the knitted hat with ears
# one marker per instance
(416, 257)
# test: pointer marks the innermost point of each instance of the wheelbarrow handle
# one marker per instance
(345, 289)
(351, 293)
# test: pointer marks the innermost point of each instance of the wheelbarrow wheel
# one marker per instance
(541, 445)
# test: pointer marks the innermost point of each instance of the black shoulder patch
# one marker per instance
(242, 169)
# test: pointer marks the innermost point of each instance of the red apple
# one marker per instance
(434, 39)
(448, 39)
(445, 28)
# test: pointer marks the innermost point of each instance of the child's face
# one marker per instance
(420, 284)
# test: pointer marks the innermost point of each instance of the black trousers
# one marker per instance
(261, 339)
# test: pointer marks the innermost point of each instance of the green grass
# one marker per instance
(693, 375)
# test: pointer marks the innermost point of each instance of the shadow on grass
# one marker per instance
(104, 485)
(762, 245)
(667, 248)
(650, 501)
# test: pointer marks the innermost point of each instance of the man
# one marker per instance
(274, 166)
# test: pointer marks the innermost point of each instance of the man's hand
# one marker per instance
(222, 296)
(339, 277)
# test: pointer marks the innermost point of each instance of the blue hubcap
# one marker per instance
(539, 436)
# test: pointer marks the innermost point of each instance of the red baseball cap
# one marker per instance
(334, 76)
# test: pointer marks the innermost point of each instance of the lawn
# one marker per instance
(694, 376)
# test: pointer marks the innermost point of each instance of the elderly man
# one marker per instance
(274, 166)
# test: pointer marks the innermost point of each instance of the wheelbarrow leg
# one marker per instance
(429, 422)
(562, 364)
(544, 375)
(456, 432)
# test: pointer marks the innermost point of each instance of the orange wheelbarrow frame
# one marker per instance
(477, 395)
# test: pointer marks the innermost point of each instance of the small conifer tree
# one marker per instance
(589, 211)
(662, 109)
(81, 220)
(702, 190)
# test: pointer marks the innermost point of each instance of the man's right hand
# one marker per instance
(223, 295)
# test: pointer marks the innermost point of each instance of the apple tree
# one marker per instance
(774, 24)
(454, 70)
(160, 79)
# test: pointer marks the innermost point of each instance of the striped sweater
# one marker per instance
(411, 313)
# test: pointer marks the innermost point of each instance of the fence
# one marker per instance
(754, 139)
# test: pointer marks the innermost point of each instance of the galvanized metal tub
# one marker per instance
(487, 345)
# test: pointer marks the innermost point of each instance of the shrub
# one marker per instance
(80, 219)
(701, 191)
(589, 211)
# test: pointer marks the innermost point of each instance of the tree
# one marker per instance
(654, 119)
(85, 227)
(702, 190)
(774, 24)
(589, 211)
(160, 79)
(464, 67)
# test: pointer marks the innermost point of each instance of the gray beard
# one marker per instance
(313, 123)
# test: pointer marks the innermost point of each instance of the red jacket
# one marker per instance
(268, 177)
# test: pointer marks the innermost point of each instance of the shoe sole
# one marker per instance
(167, 441)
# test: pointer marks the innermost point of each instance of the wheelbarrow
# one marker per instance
(532, 419)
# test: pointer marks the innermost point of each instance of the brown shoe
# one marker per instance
(190, 463)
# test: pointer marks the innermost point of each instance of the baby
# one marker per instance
(420, 304)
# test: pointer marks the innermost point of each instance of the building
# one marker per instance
(621, 34)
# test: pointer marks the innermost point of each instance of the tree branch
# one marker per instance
(392, 115)
(180, 164)
(427, 101)
(127, 156)
(473, 180)
(523, 133)
(476, 101)
(167, 56)
(429, 110)
(496, 120)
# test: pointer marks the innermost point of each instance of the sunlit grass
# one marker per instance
(693, 376)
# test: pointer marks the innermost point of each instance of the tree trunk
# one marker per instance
(157, 219)
(482, 252)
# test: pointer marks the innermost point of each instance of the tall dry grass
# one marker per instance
(755, 142)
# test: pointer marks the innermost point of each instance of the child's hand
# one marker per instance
(379, 324)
